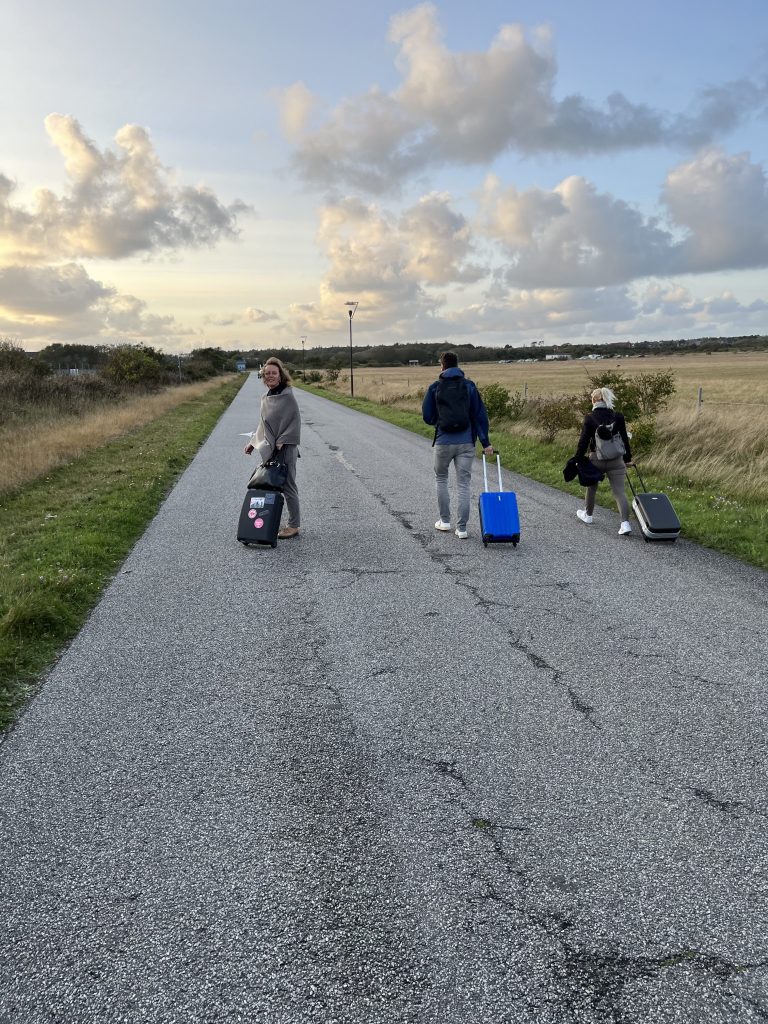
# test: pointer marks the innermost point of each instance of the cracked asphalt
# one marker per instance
(383, 775)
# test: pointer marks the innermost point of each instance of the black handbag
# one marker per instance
(271, 476)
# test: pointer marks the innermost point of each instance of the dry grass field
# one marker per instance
(29, 451)
(724, 446)
(724, 376)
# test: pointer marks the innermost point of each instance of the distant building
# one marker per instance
(413, 362)
(240, 366)
(556, 355)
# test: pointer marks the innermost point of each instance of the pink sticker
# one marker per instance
(251, 514)
(258, 523)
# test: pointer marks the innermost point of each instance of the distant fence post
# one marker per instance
(525, 389)
(700, 399)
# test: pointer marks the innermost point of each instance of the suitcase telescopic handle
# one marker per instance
(642, 482)
(485, 470)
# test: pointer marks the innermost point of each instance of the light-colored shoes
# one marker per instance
(287, 532)
(461, 534)
(583, 516)
(625, 528)
(440, 525)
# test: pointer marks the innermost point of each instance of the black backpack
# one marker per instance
(452, 398)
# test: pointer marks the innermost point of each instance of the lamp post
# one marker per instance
(303, 360)
(352, 312)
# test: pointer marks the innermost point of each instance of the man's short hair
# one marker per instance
(448, 359)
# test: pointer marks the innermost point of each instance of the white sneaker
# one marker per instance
(461, 534)
(625, 528)
(440, 525)
(583, 516)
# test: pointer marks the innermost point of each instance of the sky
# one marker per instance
(232, 173)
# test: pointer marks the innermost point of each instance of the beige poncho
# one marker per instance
(280, 423)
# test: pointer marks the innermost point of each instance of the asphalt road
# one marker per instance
(384, 775)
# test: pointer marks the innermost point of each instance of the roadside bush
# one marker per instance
(644, 435)
(14, 359)
(642, 394)
(654, 390)
(553, 414)
(496, 400)
(332, 375)
(314, 377)
(516, 405)
(135, 366)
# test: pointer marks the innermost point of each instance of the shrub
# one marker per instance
(314, 377)
(640, 395)
(654, 390)
(332, 375)
(644, 434)
(134, 366)
(496, 400)
(516, 405)
(554, 414)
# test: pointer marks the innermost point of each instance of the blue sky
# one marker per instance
(230, 174)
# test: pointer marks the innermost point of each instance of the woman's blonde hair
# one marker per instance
(603, 395)
(285, 377)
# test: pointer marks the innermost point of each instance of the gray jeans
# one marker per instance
(616, 472)
(462, 456)
(289, 453)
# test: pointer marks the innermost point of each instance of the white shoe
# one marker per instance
(625, 528)
(583, 516)
(461, 534)
(440, 525)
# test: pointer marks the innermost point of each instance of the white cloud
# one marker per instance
(251, 315)
(716, 218)
(118, 205)
(63, 302)
(470, 107)
(722, 202)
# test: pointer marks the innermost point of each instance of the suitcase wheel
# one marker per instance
(274, 544)
(485, 540)
(244, 543)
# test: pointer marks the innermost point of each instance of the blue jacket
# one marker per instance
(478, 416)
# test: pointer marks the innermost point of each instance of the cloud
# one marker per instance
(713, 216)
(251, 315)
(722, 203)
(64, 302)
(119, 204)
(470, 107)
(395, 266)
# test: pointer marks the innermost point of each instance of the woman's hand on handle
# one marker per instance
(248, 449)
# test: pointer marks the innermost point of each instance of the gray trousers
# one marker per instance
(462, 456)
(616, 472)
(290, 453)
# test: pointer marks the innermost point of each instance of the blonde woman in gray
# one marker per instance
(604, 436)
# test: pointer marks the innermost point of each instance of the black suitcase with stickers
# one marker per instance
(260, 517)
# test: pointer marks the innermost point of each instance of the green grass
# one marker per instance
(63, 537)
(734, 527)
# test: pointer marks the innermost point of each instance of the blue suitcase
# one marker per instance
(499, 517)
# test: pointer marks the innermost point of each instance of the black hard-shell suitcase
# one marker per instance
(654, 512)
(260, 517)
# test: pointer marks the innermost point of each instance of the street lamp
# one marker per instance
(303, 360)
(352, 312)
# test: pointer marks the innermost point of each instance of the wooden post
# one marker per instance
(525, 390)
(700, 399)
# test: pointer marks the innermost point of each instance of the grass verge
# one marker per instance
(63, 537)
(735, 526)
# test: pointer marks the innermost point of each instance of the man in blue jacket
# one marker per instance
(453, 406)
